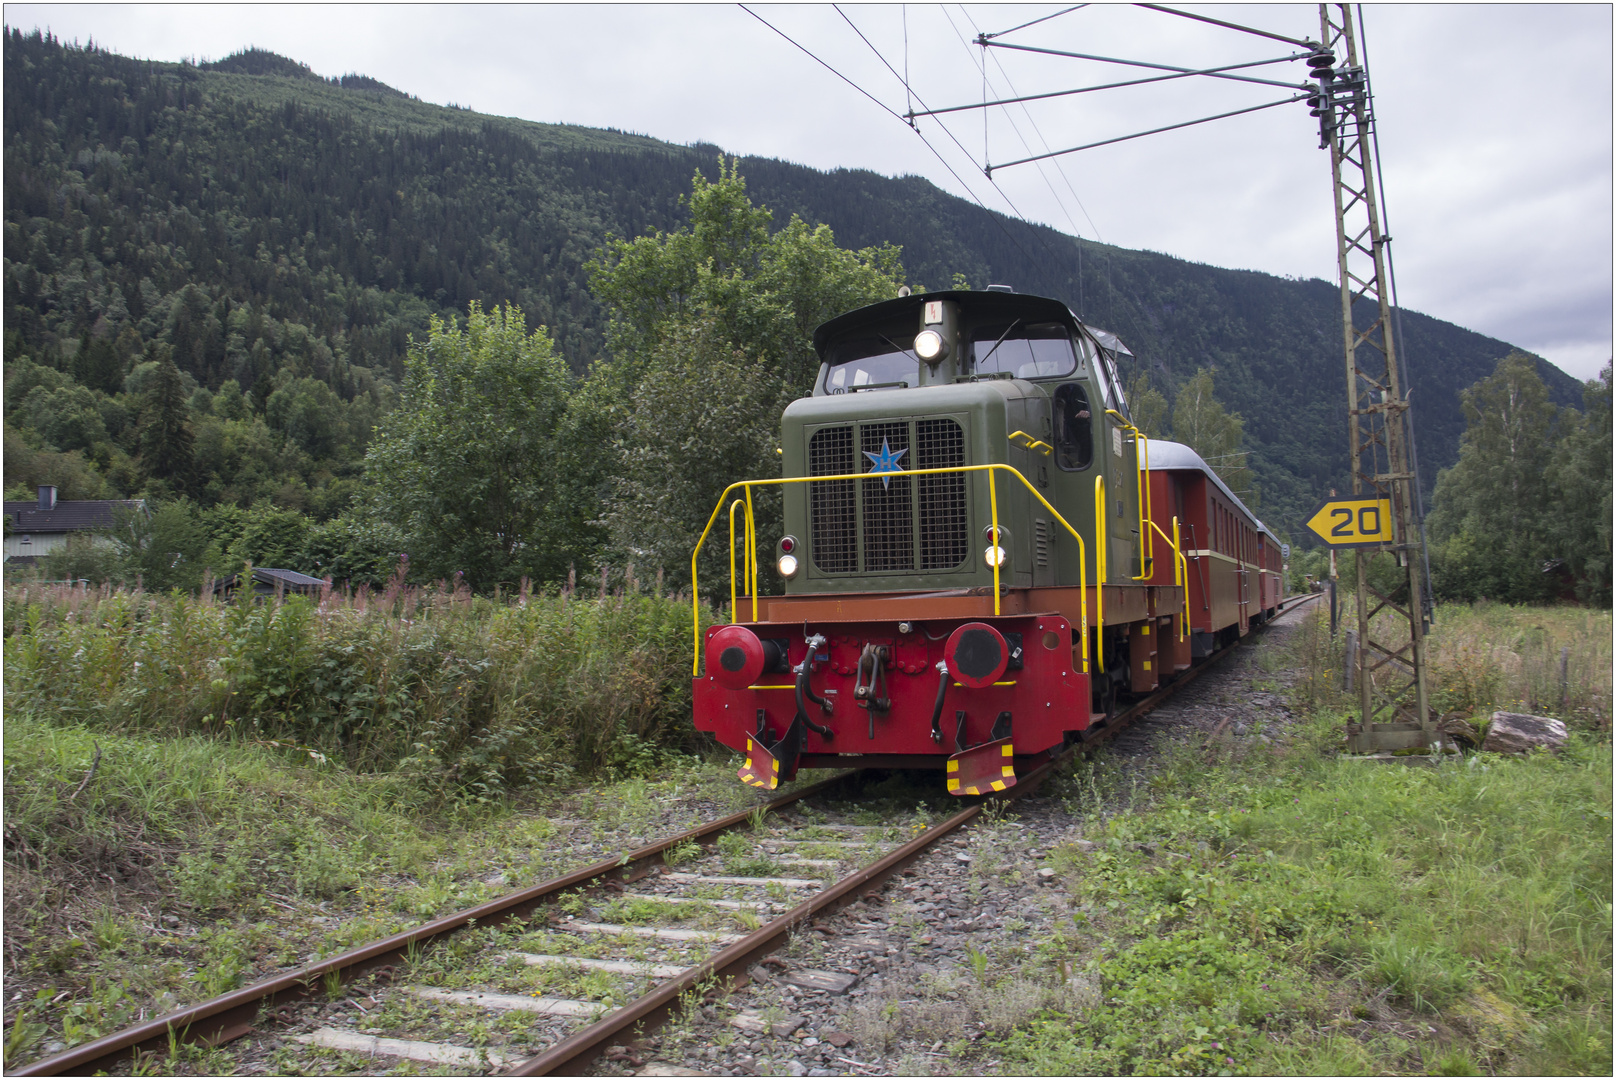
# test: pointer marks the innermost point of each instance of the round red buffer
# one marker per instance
(976, 655)
(735, 657)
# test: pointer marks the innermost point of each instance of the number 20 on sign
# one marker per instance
(1353, 522)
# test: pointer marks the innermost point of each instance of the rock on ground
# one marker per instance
(1516, 733)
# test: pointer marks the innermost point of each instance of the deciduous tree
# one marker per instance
(1202, 423)
(466, 467)
(692, 311)
(1489, 513)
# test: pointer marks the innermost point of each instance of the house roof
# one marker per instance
(78, 515)
(290, 580)
(269, 575)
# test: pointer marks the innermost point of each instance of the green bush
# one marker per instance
(468, 696)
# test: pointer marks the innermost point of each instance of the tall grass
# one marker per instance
(466, 694)
(1489, 656)
(1480, 658)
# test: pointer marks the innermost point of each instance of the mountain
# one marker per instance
(282, 230)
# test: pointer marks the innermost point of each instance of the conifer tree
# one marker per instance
(166, 442)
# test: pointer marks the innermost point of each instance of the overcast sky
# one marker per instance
(1495, 120)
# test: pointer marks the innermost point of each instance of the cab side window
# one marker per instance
(1074, 428)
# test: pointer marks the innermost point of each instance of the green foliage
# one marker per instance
(711, 327)
(1264, 915)
(465, 697)
(163, 548)
(1147, 407)
(1202, 423)
(704, 415)
(167, 445)
(1529, 494)
(1581, 484)
(465, 468)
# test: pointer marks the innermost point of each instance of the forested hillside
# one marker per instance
(280, 237)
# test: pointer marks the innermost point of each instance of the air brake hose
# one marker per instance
(937, 710)
(805, 691)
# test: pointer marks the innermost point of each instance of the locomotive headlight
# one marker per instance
(787, 566)
(994, 556)
(929, 345)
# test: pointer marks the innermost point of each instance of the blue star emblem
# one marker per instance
(885, 462)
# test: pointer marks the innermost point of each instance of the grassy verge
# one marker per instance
(1290, 912)
(191, 865)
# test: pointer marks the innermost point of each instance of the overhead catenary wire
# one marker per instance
(1184, 74)
(1035, 22)
(1210, 73)
(906, 123)
(952, 138)
(896, 115)
(1013, 126)
(1152, 131)
(1038, 236)
(1303, 43)
(1054, 257)
(1077, 233)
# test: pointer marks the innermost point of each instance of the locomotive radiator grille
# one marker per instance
(889, 517)
(830, 505)
(944, 527)
(890, 522)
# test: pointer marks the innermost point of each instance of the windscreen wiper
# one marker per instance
(899, 348)
(996, 344)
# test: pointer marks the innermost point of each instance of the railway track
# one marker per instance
(587, 964)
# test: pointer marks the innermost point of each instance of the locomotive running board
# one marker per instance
(983, 769)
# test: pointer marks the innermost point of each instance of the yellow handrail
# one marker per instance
(1032, 443)
(1147, 540)
(749, 564)
(993, 502)
(1181, 578)
(746, 565)
(751, 551)
(1101, 542)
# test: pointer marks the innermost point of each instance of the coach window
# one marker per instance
(1074, 428)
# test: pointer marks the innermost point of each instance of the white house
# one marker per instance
(39, 528)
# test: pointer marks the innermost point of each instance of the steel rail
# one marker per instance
(572, 1054)
(233, 1015)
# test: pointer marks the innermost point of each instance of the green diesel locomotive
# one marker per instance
(979, 554)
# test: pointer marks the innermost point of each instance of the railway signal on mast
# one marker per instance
(1389, 661)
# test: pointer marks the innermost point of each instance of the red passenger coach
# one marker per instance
(1232, 573)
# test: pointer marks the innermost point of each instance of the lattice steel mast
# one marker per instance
(1390, 659)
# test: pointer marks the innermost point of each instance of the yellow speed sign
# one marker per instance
(1353, 522)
